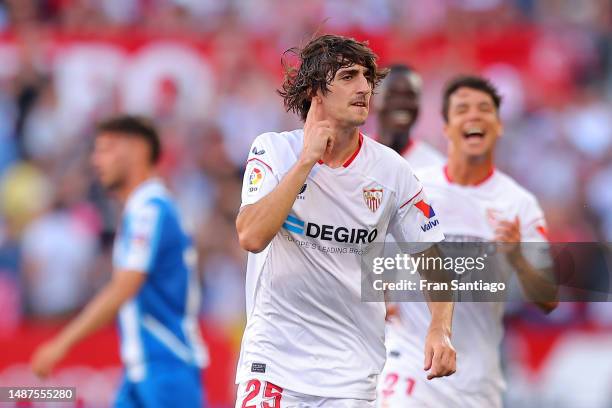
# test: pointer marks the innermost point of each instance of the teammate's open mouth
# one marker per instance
(360, 104)
(402, 116)
(474, 133)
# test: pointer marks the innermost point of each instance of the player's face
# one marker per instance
(110, 159)
(473, 122)
(348, 99)
(400, 102)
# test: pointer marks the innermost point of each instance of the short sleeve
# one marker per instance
(415, 222)
(533, 223)
(534, 235)
(139, 238)
(260, 176)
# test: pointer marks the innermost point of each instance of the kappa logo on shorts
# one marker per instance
(373, 197)
(258, 368)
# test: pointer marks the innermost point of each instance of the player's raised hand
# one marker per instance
(318, 135)
(440, 356)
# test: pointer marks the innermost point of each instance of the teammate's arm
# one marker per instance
(440, 356)
(258, 223)
(101, 310)
(537, 284)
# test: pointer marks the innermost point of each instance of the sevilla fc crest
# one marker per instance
(373, 197)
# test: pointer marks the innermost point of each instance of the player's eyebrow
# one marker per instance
(352, 71)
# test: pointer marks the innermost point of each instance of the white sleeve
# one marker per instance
(139, 238)
(533, 223)
(534, 235)
(415, 220)
(260, 176)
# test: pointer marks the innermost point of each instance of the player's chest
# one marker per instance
(469, 212)
(326, 205)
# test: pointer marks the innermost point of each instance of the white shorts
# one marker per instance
(262, 394)
(404, 384)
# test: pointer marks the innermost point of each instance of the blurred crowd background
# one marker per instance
(207, 71)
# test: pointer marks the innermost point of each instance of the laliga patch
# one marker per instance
(257, 174)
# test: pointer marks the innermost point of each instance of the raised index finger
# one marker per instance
(314, 112)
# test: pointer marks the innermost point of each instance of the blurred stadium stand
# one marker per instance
(207, 71)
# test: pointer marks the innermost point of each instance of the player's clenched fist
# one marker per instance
(440, 356)
(318, 134)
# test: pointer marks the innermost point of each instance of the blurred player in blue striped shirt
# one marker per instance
(154, 288)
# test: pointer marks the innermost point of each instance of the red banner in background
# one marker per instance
(94, 368)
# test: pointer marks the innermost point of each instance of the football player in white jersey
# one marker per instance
(314, 201)
(475, 203)
(398, 110)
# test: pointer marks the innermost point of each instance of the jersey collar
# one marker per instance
(478, 183)
(144, 191)
(350, 159)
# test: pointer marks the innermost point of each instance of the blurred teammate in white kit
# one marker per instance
(475, 203)
(398, 105)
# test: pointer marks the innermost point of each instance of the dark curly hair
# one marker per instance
(319, 60)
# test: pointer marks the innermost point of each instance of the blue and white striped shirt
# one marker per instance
(160, 322)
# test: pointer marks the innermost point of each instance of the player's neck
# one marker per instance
(133, 181)
(468, 172)
(345, 145)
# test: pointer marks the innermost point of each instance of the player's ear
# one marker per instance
(445, 130)
(500, 129)
(314, 94)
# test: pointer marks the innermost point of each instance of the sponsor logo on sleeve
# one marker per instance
(429, 213)
(543, 232)
(425, 208)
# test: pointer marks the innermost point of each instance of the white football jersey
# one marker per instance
(420, 155)
(467, 214)
(307, 329)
